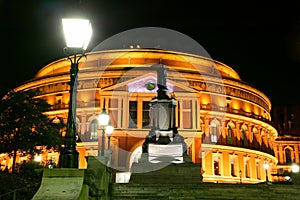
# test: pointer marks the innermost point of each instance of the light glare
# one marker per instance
(103, 119)
(78, 32)
(109, 129)
(295, 168)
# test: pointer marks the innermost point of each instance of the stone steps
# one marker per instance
(204, 191)
(184, 182)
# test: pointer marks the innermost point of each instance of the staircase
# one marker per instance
(208, 191)
(184, 182)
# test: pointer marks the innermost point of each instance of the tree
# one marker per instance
(24, 126)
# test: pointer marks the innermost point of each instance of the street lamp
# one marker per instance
(109, 130)
(266, 167)
(106, 127)
(295, 170)
(77, 33)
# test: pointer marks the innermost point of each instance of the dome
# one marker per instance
(120, 57)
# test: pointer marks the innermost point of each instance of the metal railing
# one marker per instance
(24, 193)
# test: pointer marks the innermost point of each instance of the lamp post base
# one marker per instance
(69, 158)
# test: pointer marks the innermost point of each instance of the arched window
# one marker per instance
(242, 137)
(213, 132)
(229, 136)
(288, 158)
(93, 129)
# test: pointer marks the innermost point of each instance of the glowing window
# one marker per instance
(132, 114)
(216, 166)
(213, 132)
(94, 127)
(146, 114)
(288, 158)
(229, 136)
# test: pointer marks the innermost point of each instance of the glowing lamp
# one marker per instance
(109, 129)
(103, 118)
(295, 168)
(78, 32)
(266, 166)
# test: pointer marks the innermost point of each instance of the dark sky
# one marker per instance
(261, 41)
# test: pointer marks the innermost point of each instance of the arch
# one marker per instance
(93, 129)
(264, 137)
(256, 135)
(288, 154)
(214, 130)
(244, 129)
(91, 118)
(243, 133)
(262, 132)
(230, 134)
(89, 121)
(201, 124)
(135, 153)
(254, 130)
(231, 124)
(215, 121)
(78, 125)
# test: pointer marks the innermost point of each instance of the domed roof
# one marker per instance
(139, 56)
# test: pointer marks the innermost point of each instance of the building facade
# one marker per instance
(226, 122)
(287, 122)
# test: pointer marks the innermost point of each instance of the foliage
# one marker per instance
(24, 126)
(25, 183)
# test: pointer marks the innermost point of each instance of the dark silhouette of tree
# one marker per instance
(24, 126)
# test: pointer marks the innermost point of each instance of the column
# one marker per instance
(281, 154)
(226, 164)
(194, 114)
(139, 113)
(296, 153)
(197, 150)
(120, 112)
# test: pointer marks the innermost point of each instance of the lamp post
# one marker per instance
(266, 167)
(295, 170)
(77, 33)
(109, 130)
(106, 127)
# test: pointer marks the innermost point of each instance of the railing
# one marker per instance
(254, 145)
(24, 193)
(79, 105)
(214, 107)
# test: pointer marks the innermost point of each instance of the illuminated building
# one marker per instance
(225, 121)
(287, 145)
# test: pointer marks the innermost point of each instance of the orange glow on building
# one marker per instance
(225, 121)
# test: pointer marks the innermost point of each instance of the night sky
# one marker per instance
(261, 41)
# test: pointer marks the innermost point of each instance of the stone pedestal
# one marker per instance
(62, 183)
(165, 153)
(165, 171)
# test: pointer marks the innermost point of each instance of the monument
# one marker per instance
(163, 143)
(164, 158)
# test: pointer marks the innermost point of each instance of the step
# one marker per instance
(203, 191)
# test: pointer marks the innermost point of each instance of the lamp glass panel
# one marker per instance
(103, 119)
(295, 168)
(266, 166)
(78, 32)
(109, 129)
